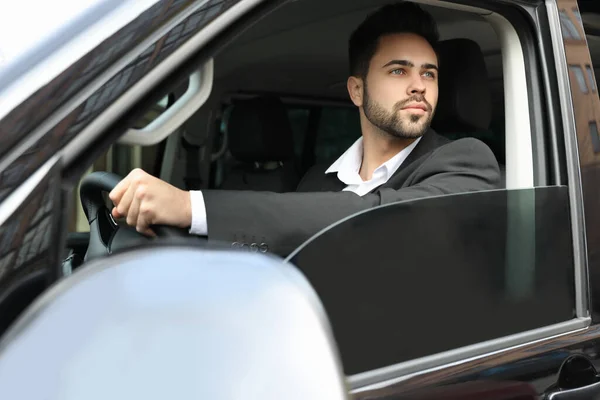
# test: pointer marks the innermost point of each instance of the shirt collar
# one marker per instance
(348, 164)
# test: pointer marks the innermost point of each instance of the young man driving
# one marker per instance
(394, 84)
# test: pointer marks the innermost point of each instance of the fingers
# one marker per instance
(140, 198)
(145, 218)
(122, 194)
(118, 191)
(136, 205)
(133, 208)
(125, 203)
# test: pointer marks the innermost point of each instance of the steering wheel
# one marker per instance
(106, 236)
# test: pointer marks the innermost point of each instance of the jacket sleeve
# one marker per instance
(283, 221)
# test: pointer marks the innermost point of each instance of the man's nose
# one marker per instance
(417, 86)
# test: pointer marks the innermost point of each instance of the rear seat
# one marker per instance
(261, 143)
(465, 103)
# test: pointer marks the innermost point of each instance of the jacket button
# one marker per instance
(263, 248)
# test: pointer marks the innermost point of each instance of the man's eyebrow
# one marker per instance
(429, 66)
(410, 64)
(404, 63)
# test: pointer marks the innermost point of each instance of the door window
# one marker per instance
(415, 278)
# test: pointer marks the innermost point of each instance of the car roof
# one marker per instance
(22, 32)
(53, 37)
(25, 35)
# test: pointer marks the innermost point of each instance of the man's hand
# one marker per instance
(145, 200)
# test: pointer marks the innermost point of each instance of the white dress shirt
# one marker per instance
(347, 168)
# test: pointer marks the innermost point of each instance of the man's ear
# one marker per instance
(355, 90)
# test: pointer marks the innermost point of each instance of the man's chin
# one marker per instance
(408, 135)
(413, 132)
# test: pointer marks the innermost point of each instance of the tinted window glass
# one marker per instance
(29, 255)
(339, 127)
(415, 278)
(299, 121)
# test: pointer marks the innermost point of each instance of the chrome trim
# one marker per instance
(12, 203)
(585, 392)
(573, 166)
(145, 84)
(85, 93)
(454, 362)
(517, 117)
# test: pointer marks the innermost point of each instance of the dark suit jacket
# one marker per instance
(283, 221)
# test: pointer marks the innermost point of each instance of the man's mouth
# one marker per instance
(416, 107)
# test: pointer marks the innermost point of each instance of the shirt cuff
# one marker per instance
(199, 224)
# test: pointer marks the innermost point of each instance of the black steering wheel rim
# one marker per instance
(103, 228)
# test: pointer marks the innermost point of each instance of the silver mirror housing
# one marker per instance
(174, 322)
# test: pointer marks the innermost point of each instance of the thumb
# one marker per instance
(115, 213)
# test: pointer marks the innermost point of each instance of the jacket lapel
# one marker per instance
(429, 142)
(331, 183)
(316, 180)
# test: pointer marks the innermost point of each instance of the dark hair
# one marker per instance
(401, 17)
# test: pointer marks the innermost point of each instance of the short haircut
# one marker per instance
(403, 17)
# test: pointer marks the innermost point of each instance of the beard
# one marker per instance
(392, 123)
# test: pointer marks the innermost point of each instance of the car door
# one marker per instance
(58, 101)
(487, 295)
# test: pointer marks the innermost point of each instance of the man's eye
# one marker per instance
(429, 74)
(397, 72)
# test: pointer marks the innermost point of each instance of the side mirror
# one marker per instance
(174, 322)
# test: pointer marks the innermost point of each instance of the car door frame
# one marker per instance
(562, 105)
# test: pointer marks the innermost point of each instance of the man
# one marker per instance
(394, 83)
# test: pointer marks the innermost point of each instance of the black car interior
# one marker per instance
(279, 112)
(261, 143)
(261, 138)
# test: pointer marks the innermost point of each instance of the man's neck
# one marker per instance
(378, 148)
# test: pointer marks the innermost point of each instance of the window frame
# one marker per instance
(524, 344)
(309, 258)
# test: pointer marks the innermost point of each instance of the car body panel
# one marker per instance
(179, 322)
(60, 110)
(89, 88)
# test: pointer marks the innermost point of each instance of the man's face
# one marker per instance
(400, 92)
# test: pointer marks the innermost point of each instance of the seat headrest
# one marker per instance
(464, 102)
(259, 130)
